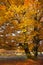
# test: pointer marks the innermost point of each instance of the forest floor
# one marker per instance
(22, 62)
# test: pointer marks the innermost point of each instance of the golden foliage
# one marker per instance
(21, 13)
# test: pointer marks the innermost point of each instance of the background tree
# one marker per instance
(20, 23)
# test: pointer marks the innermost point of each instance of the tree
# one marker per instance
(20, 24)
